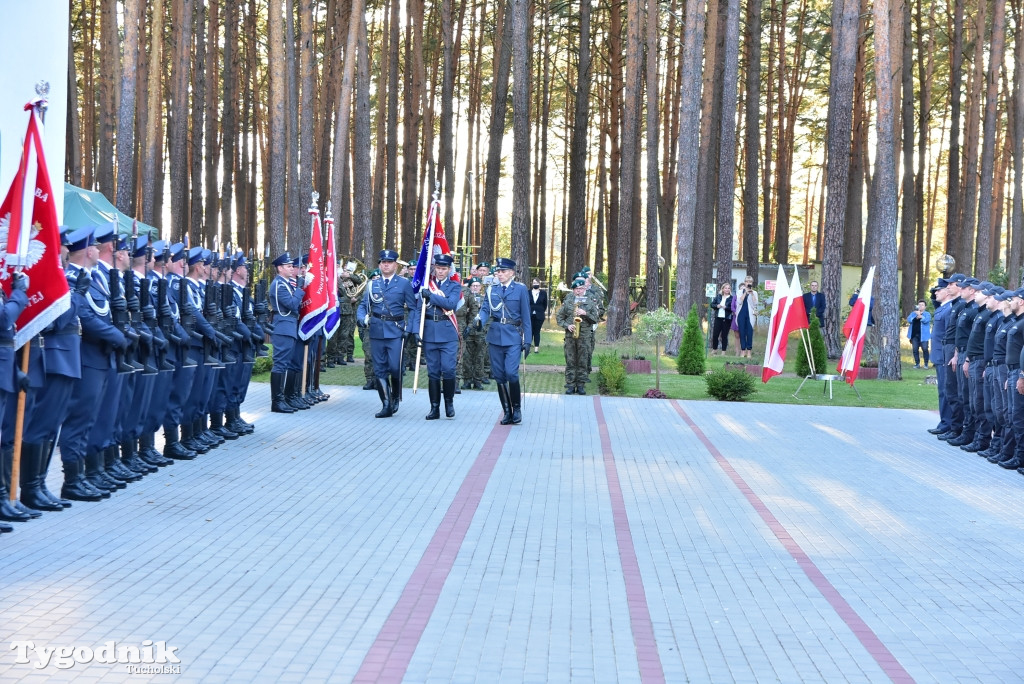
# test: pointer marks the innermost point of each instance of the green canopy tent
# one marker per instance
(96, 208)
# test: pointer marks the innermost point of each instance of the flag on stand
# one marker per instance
(313, 310)
(788, 315)
(797, 318)
(855, 328)
(432, 235)
(333, 317)
(29, 238)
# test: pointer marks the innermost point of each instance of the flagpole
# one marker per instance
(428, 273)
(38, 108)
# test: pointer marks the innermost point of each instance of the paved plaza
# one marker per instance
(603, 540)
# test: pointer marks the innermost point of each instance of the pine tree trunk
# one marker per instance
(689, 128)
(197, 229)
(1013, 267)
(229, 126)
(211, 148)
(74, 134)
(499, 105)
(579, 143)
(343, 125)
(446, 153)
(885, 176)
(521, 137)
(391, 183)
(307, 109)
(411, 122)
(968, 220)
(845, 23)
(908, 248)
(362, 234)
(954, 229)
(653, 281)
(178, 130)
(987, 192)
(278, 129)
(727, 153)
(153, 146)
(709, 163)
(752, 144)
(110, 75)
(126, 109)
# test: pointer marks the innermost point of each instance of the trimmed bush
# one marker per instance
(817, 351)
(611, 373)
(690, 360)
(729, 385)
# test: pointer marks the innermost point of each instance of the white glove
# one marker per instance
(366, 320)
(309, 279)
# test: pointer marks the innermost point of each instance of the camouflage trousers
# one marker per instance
(364, 337)
(473, 357)
(578, 352)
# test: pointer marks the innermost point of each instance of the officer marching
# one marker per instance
(440, 337)
(507, 306)
(383, 311)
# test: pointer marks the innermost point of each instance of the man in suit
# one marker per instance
(383, 310)
(507, 305)
(538, 311)
(815, 300)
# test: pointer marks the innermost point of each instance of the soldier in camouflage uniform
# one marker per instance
(597, 296)
(464, 314)
(347, 310)
(476, 342)
(577, 315)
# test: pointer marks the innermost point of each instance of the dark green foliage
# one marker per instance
(729, 385)
(611, 373)
(690, 360)
(817, 351)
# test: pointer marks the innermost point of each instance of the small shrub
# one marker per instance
(262, 365)
(690, 360)
(655, 393)
(818, 352)
(611, 374)
(729, 385)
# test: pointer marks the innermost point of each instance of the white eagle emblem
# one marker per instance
(36, 247)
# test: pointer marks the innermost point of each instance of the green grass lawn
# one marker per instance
(539, 375)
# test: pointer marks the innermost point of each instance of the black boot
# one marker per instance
(148, 452)
(130, 457)
(384, 392)
(506, 405)
(434, 391)
(173, 448)
(48, 449)
(31, 476)
(448, 385)
(467, 384)
(291, 391)
(349, 359)
(209, 435)
(8, 510)
(964, 438)
(277, 400)
(570, 389)
(238, 424)
(190, 441)
(581, 389)
(370, 384)
(74, 484)
(95, 475)
(515, 398)
(217, 427)
(976, 445)
(396, 392)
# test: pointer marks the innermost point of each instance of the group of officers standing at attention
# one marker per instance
(155, 336)
(978, 352)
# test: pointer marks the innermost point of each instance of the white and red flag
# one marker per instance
(313, 310)
(788, 315)
(333, 318)
(30, 239)
(855, 328)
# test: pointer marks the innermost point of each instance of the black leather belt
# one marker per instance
(516, 324)
(7, 343)
(1013, 366)
(387, 317)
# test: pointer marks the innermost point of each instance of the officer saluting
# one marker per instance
(286, 301)
(382, 309)
(507, 306)
(440, 335)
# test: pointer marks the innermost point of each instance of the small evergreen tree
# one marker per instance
(817, 351)
(690, 360)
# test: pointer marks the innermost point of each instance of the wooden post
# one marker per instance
(19, 425)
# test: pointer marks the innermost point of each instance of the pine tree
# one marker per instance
(690, 360)
(817, 351)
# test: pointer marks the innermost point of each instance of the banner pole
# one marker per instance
(19, 425)
(428, 273)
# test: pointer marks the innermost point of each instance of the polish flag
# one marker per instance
(788, 317)
(855, 328)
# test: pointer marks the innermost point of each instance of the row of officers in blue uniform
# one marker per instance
(394, 315)
(978, 353)
(156, 336)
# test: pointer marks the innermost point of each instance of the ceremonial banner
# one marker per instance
(313, 311)
(773, 362)
(333, 319)
(432, 235)
(855, 328)
(29, 238)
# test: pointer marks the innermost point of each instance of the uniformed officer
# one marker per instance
(285, 300)
(100, 340)
(179, 318)
(11, 380)
(442, 296)
(465, 315)
(476, 340)
(243, 368)
(577, 315)
(507, 306)
(347, 301)
(383, 310)
(941, 298)
(956, 410)
(969, 287)
(63, 364)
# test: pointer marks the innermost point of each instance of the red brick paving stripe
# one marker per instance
(389, 656)
(867, 637)
(647, 654)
